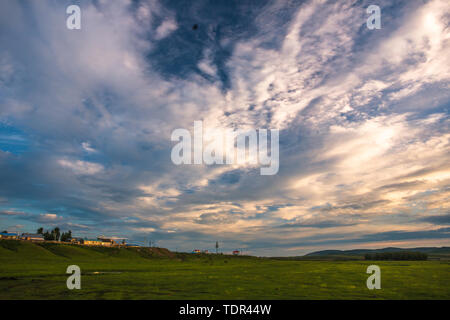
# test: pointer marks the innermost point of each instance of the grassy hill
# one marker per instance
(429, 250)
(434, 253)
(38, 271)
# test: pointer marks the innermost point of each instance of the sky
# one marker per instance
(86, 118)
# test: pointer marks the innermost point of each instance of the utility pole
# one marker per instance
(217, 247)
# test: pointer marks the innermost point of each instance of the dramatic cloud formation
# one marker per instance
(86, 118)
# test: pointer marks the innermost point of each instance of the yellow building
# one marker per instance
(104, 241)
(92, 242)
(111, 241)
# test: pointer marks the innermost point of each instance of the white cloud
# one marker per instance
(81, 167)
(165, 29)
(87, 147)
(49, 217)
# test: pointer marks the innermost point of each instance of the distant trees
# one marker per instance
(401, 255)
(47, 235)
(50, 236)
(66, 236)
(55, 234)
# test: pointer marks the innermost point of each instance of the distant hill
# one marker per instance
(359, 252)
(434, 253)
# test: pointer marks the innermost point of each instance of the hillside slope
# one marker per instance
(34, 250)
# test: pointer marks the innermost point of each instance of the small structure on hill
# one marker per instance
(77, 240)
(111, 241)
(32, 237)
(105, 241)
(236, 252)
(92, 242)
(9, 235)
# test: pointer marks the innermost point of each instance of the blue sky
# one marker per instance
(86, 118)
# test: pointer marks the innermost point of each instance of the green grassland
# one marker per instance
(38, 271)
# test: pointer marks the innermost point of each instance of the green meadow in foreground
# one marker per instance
(38, 271)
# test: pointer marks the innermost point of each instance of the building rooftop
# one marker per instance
(8, 234)
(110, 238)
(32, 235)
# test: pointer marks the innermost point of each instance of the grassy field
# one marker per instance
(32, 271)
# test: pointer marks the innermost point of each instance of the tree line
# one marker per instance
(55, 234)
(402, 255)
